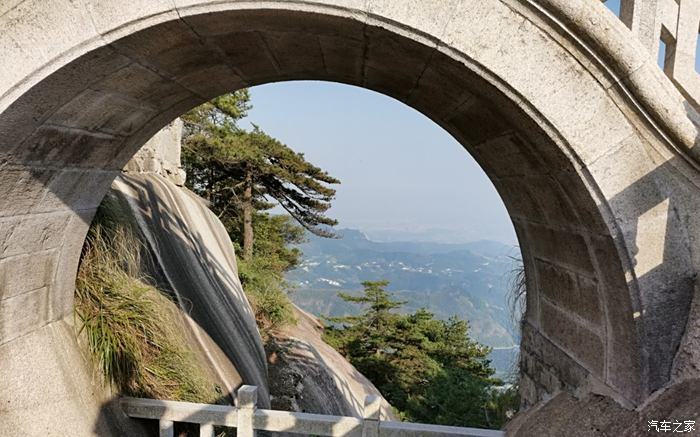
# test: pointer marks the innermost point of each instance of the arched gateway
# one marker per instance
(590, 146)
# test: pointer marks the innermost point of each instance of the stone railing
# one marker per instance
(676, 23)
(247, 419)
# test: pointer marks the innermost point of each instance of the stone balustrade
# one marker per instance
(247, 419)
(676, 23)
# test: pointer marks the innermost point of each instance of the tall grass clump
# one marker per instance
(508, 401)
(132, 329)
(517, 291)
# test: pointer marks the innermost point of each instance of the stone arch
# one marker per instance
(567, 132)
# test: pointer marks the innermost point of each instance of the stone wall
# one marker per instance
(161, 155)
(594, 151)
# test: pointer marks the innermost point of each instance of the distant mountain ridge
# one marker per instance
(470, 280)
(437, 235)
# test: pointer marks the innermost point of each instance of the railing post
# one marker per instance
(245, 401)
(166, 428)
(206, 430)
(371, 415)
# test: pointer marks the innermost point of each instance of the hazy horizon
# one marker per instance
(400, 171)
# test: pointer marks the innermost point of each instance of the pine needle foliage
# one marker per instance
(243, 174)
(241, 171)
(429, 370)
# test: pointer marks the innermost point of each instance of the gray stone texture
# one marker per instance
(161, 155)
(687, 362)
(594, 151)
(595, 415)
(48, 389)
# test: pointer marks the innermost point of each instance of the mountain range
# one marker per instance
(469, 280)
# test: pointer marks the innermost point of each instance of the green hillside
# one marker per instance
(468, 280)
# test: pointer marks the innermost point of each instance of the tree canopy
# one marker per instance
(428, 369)
(244, 173)
(241, 172)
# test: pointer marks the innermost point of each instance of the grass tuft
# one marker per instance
(517, 291)
(133, 330)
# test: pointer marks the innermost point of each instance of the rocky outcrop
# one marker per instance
(600, 416)
(308, 375)
(195, 255)
(195, 260)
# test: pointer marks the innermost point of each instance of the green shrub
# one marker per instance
(266, 292)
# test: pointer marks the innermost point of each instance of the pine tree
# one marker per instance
(378, 314)
(241, 172)
(428, 369)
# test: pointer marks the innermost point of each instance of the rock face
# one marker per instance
(195, 255)
(196, 258)
(599, 416)
(310, 376)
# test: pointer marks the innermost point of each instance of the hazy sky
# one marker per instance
(399, 170)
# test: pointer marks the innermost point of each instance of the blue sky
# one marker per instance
(399, 170)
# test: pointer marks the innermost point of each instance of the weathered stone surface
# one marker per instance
(430, 95)
(57, 145)
(564, 415)
(56, 394)
(511, 157)
(595, 415)
(589, 144)
(102, 112)
(32, 233)
(586, 346)
(161, 155)
(63, 286)
(521, 202)
(429, 16)
(22, 188)
(561, 247)
(139, 83)
(35, 32)
(110, 18)
(576, 293)
(477, 123)
(65, 190)
(686, 364)
(24, 273)
(548, 368)
(23, 313)
(392, 67)
(679, 402)
(308, 375)
(36, 105)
